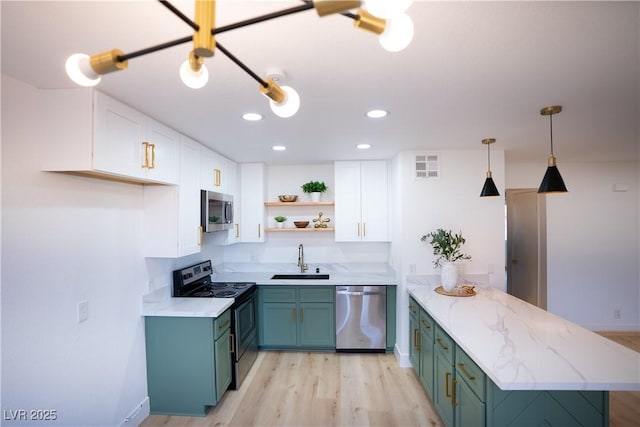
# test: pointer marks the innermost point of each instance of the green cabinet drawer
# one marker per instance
(470, 373)
(221, 324)
(413, 308)
(322, 294)
(278, 294)
(444, 344)
(427, 324)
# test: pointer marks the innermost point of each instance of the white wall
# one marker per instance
(67, 239)
(451, 202)
(593, 242)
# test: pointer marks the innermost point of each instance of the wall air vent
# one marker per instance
(427, 166)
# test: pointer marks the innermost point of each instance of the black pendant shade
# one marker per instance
(489, 188)
(552, 181)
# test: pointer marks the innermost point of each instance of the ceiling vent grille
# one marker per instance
(427, 166)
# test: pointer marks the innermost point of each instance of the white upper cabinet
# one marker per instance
(252, 197)
(172, 213)
(217, 173)
(361, 207)
(85, 131)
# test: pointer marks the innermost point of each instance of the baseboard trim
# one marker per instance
(138, 414)
(402, 358)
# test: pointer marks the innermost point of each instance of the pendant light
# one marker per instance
(489, 188)
(552, 181)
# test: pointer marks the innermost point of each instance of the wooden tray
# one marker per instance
(461, 291)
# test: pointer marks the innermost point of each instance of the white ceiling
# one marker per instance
(474, 70)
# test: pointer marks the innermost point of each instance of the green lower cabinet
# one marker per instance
(294, 317)
(414, 344)
(188, 363)
(443, 373)
(469, 410)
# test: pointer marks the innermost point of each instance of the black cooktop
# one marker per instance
(195, 281)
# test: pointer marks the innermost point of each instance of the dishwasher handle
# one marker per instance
(357, 293)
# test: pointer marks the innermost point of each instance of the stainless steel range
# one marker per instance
(195, 282)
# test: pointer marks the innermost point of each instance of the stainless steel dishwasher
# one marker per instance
(361, 318)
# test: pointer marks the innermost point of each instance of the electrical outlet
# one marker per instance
(83, 311)
(617, 313)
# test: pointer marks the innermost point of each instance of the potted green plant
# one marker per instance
(280, 220)
(315, 189)
(447, 248)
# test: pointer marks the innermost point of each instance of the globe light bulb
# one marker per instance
(80, 72)
(193, 79)
(397, 34)
(289, 106)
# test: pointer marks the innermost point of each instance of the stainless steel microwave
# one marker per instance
(216, 211)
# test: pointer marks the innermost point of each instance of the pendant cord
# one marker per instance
(489, 156)
(551, 130)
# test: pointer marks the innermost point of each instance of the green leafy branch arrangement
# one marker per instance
(446, 245)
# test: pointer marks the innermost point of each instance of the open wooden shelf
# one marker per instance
(299, 229)
(294, 204)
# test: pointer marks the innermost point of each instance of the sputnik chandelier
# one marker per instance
(383, 17)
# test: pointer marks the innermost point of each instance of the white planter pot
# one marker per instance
(449, 275)
(315, 196)
(279, 224)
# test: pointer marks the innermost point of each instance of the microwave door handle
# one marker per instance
(228, 212)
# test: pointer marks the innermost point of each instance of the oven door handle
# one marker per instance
(233, 343)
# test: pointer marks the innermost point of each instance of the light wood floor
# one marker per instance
(337, 389)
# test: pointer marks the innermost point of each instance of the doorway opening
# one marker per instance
(526, 245)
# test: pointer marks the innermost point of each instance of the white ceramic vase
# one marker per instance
(315, 196)
(449, 275)
(280, 224)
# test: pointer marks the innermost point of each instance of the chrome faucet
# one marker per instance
(301, 264)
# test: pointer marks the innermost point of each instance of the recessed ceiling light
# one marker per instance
(252, 117)
(278, 148)
(376, 114)
(363, 146)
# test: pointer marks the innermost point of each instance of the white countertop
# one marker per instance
(186, 307)
(521, 347)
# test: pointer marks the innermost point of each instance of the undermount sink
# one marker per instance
(300, 276)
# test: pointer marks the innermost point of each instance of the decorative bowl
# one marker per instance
(301, 224)
(288, 198)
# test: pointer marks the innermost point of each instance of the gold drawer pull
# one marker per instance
(416, 339)
(153, 156)
(224, 325)
(447, 392)
(442, 346)
(145, 165)
(426, 325)
(464, 371)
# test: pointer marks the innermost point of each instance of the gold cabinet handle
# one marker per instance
(364, 229)
(442, 346)
(417, 338)
(425, 324)
(453, 393)
(153, 156)
(216, 177)
(464, 371)
(233, 343)
(259, 230)
(358, 229)
(447, 392)
(200, 236)
(145, 164)
(225, 325)
(237, 231)
(412, 309)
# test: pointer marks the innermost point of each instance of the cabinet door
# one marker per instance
(347, 202)
(373, 200)
(161, 152)
(443, 373)
(316, 325)
(223, 364)
(118, 138)
(252, 196)
(279, 324)
(414, 344)
(189, 230)
(470, 411)
(426, 361)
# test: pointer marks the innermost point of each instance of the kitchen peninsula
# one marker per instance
(493, 359)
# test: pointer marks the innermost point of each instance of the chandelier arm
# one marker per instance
(125, 57)
(262, 18)
(241, 65)
(351, 15)
(179, 14)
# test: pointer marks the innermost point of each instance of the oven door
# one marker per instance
(244, 324)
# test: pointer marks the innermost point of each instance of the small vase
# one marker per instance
(315, 196)
(280, 224)
(449, 275)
